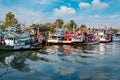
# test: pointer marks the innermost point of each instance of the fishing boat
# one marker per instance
(116, 37)
(58, 37)
(13, 39)
(91, 39)
(74, 38)
(104, 37)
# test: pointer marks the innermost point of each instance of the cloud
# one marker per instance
(30, 16)
(64, 11)
(24, 15)
(97, 5)
(106, 17)
(100, 20)
(97, 17)
(46, 2)
(84, 5)
(39, 1)
(43, 11)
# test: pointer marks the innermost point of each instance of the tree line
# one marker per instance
(71, 26)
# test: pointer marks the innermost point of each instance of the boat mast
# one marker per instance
(73, 28)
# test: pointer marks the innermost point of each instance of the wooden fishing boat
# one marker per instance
(74, 38)
(13, 40)
(58, 37)
(104, 37)
(116, 37)
(91, 39)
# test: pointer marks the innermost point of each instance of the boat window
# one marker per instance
(54, 37)
(10, 38)
(61, 38)
(68, 39)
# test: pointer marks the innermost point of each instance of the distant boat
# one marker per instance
(116, 37)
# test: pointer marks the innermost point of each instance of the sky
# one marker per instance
(93, 13)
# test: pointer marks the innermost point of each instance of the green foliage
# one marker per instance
(70, 26)
(34, 25)
(113, 31)
(83, 26)
(59, 23)
(10, 20)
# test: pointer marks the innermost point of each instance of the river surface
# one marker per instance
(63, 62)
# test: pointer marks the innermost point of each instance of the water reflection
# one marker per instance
(66, 53)
(17, 59)
(62, 62)
(70, 54)
(102, 48)
(64, 50)
(67, 49)
(64, 70)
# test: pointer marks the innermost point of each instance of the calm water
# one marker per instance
(63, 62)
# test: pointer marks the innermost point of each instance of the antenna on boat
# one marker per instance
(24, 26)
(73, 28)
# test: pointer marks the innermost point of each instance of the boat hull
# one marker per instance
(12, 48)
(62, 42)
(115, 39)
(92, 43)
(104, 41)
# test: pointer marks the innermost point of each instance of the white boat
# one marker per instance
(77, 38)
(116, 37)
(16, 40)
(57, 37)
(104, 38)
(74, 38)
(60, 36)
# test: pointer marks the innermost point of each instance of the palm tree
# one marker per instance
(59, 23)
(83, 27)
(73, 25)
(10, 20)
